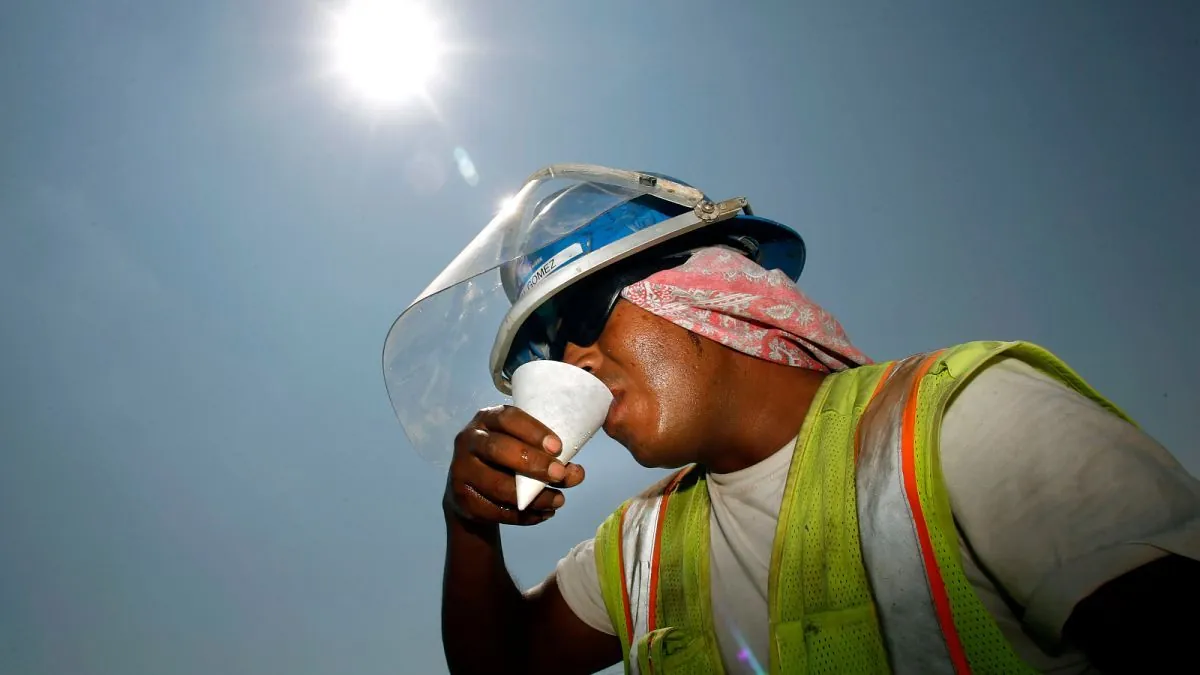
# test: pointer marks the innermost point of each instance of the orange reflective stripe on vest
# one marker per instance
(641, 544)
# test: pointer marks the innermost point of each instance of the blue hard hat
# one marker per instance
(609, 218)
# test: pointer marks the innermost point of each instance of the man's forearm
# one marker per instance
(484, 628)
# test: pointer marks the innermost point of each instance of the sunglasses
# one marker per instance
(584, 308)
(579, 313)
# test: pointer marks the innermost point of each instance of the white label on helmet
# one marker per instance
(561, 258)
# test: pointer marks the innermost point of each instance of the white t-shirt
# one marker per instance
(1054, 496)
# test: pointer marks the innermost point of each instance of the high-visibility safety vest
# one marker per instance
(866, 574)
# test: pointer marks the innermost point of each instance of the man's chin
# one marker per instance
(636, 451)
(644, 460)
(650, 458)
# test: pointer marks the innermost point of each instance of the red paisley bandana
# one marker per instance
(727, 298)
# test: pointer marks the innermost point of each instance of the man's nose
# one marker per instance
(587, 358)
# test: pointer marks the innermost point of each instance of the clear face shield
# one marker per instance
(443, 359)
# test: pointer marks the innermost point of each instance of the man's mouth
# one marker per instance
(613, 408)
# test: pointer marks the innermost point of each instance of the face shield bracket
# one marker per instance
(711, 213)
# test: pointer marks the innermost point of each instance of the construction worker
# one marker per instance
(977, 508)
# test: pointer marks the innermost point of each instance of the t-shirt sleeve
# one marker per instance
(1055, 495)
(579, 583)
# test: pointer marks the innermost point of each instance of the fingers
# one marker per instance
(486, 493)
(478, 506)
(574, 476)
(500, 490)
(520, 425)
(498, 444)
(506, 452)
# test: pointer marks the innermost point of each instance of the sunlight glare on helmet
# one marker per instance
(386, 50)
(508, 205)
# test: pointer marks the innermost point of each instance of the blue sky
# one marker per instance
(203, 241)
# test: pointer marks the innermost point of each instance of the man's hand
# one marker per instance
(496, 445)
(488, 624)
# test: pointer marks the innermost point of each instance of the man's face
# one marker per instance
(664, 381)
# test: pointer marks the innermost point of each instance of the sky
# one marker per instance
(204, 238)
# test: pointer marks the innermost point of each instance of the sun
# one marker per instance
(388, 51)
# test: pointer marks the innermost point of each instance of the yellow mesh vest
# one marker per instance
(823, 616)
(821, 613)
(986, 648)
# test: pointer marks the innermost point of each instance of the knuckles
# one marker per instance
(466, 438)
(477, 490)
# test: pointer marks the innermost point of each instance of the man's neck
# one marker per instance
(765, 408)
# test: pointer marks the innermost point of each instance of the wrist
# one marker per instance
(455, 520)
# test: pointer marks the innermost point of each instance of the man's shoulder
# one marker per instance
(1016, 369)
(1023, 363)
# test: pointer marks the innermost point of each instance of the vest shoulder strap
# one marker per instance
(627, 548)
(931, 616)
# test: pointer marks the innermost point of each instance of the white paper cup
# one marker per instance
(570, 401)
